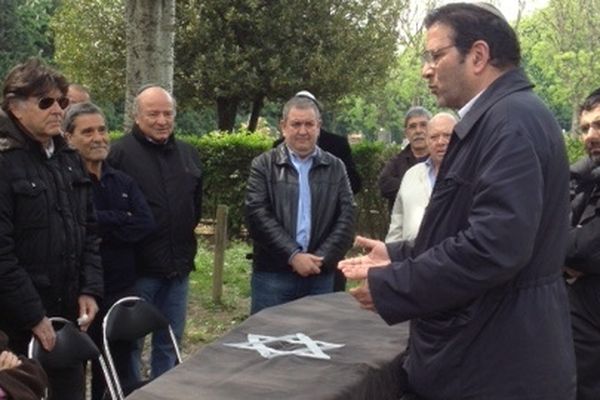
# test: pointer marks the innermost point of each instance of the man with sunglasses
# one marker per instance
(49, 262)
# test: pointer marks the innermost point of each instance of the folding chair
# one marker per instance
(72, 347)
(130, 319)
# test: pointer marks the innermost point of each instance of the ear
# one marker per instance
(281, 125)
(17, 108)
(480, 56)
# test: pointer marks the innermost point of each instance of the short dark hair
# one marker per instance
(472, 22)
(32, 78)
(416, 111)
(590, 102)
(77, 110)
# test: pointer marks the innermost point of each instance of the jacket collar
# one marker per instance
(585, 171)
(513, 80)
(282, 156)
(139, 135)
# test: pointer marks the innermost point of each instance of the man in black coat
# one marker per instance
(169, 173)
(583, 252)
(390, 177)
(482, 284)
(49, 262)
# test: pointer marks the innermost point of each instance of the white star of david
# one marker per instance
(309, 347)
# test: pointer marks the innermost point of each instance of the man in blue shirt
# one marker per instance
(299, 210)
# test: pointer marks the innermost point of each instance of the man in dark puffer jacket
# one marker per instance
(49, 262)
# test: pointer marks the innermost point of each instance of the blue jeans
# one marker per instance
(274, 288)
(170, 297)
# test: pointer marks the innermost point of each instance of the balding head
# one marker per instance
(78, 94)
(154, 113)
(439, 131)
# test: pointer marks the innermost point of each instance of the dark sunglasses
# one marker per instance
(47, 102)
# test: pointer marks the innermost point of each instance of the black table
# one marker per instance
(365, 368)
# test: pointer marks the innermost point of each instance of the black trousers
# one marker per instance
(339, 281)
(584, 296)
(122, 352)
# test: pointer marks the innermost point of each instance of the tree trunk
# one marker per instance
(226, 112)
(150, 35)
(257, 105)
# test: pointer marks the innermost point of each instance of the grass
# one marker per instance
(206, 319)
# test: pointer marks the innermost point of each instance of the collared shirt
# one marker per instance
(303, 224)
(50, 149)
(465, 109)
(430, 172)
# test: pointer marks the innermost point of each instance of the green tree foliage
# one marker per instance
(372, 212)
(24, 31)
(575, 149)
(384, 109)
(238, 52)
(90, 45)
(404, 86)
(559, 45)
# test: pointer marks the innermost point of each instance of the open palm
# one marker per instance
(358, 267)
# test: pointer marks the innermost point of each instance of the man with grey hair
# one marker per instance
(418, 182)
(124, 218)
(78, 94)
(415, 124)
(169, 173)
(299, 212)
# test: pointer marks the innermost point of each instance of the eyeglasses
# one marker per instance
(431, 57)
(46, 102)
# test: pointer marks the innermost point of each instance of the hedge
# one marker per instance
(226, 159)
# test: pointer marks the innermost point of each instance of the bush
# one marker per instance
(575, 149)
(372, 211)
(226, 159)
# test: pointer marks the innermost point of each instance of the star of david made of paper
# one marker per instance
(298, 344)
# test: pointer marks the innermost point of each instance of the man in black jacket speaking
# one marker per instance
(169, 173)
(299, 210)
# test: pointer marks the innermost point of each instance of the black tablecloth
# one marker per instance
(365, 368)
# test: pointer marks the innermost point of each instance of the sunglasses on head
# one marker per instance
(47, 102)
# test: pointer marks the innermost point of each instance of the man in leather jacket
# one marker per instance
(299, 210)
(583, 253)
